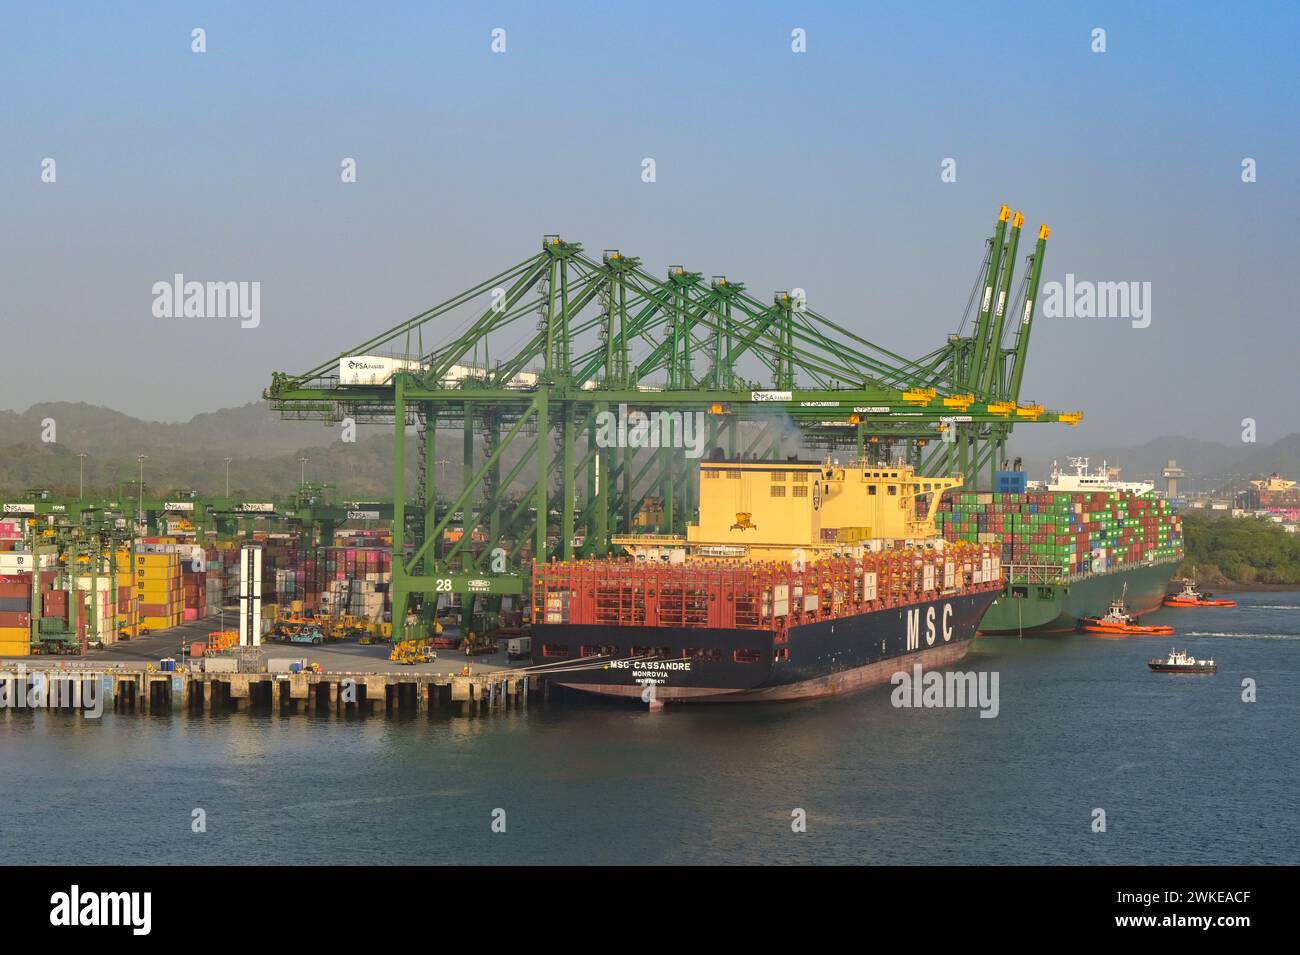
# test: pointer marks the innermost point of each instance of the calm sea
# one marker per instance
(1185, 771)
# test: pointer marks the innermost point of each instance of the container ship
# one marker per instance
(801, 579)
(1069, 546)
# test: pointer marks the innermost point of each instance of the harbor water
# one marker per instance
(1185, 771)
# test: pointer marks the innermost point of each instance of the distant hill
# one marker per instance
(1282, 456)
(251, 429)
(1209, 466)
(265, 450)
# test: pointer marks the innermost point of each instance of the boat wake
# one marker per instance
(1247, 636)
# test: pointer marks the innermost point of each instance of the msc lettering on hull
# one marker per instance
(914, 626)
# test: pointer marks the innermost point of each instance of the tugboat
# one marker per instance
(1189, 596)
(1179, 661)
(1118, 622)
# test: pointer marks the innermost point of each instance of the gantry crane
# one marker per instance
(579, 339)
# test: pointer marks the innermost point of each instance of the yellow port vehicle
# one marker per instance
(478, 643)
(411, 652)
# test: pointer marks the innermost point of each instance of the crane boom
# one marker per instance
(974, 367)
(993, 348)
(1027, 317)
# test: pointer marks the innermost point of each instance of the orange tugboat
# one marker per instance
(1118, 622)
(1189, 596)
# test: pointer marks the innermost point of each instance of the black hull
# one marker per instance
(712, 665)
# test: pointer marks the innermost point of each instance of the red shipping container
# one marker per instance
(15, 588)
(15, 619)
(55, 598)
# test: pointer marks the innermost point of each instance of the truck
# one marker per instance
(305, 635)
(519, 648)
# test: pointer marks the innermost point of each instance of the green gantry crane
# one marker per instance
(589, 340)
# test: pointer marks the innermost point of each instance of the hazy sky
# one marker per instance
(819, 170)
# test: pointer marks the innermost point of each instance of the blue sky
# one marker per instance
(818, 170)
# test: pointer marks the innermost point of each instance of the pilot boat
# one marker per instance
(1179, 661)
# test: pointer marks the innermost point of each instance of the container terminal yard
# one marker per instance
(430, 594)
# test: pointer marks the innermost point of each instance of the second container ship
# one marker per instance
(801, 579)
(1069, 547)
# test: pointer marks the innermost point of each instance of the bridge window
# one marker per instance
(778, 490)
(798, 492)
(892, 489)
(871, 490)
(744, 656)
(555, 649)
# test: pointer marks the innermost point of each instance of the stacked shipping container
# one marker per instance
(173, 581)
(329, 580)
(159, 593)
(1078, 532)
(15, 614)
(194, 586)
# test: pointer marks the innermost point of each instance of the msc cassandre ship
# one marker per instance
(801, 579)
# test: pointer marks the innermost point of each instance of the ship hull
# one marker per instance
(1058, 608)
(705, 665)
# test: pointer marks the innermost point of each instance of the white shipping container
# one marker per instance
(100, 583)
(16, 562)
(781, 600)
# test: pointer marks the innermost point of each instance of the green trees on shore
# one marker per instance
(1240, 550)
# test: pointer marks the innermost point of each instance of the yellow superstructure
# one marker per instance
(1274, 482)
(769, 510)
